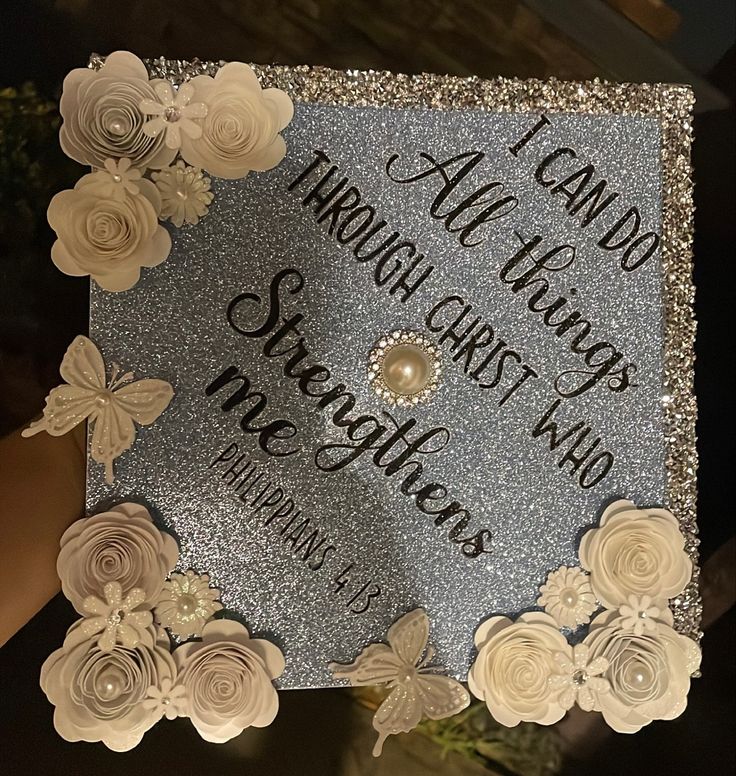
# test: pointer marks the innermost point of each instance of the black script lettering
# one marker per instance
(486, 203)
(392, 451)
(522, 272)
(399, 266)
(475, 346)
(543, 123)
(596, 467)
(269, 434)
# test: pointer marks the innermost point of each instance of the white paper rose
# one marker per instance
(108, 237)
(648, 674)
(241, 129)
(100, 696)
(102, 115)
(227, 679)
(512, 670)
(635, 551)
(122, 545)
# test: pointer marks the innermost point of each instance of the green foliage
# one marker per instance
(526, 750)
(32, 166)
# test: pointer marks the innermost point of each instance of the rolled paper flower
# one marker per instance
(108, 237)
(227, 679)
(648, 674)
(122, 545)
(102, 115)
(241, 129)
(512, 672)
(101, 695)
(635, 551)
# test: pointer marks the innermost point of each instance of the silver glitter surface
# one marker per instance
(173, 325)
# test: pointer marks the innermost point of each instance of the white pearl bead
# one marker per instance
(406, 369)
(640, 676)
(103, 399)
(406, 674)
(568, 597)
(109, 685)
(117, 127)
(186, 605)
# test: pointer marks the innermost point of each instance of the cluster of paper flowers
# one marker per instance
(116, 675)
(632, 665)
(123, 124)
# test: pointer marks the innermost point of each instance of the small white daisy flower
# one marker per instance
(186, 603)
(579, 680)
(116, 179)
(639, 615)
(185, 193)
(169, 700)
(567, 596)
(173, 113)
(115, 617)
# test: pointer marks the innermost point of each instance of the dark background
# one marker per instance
(41, 310)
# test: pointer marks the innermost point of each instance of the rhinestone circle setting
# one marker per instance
(427, 356)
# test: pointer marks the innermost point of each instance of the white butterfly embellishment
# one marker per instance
(417, 689)
(110, 407)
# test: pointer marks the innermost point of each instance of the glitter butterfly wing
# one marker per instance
(74, 401)
(402, 665)
(441, 696)
(400, 712)
(427, 695)
(408, 636)
(381, 663)
(376, 664)
(423, 694)
(114, 433)
(111, 409)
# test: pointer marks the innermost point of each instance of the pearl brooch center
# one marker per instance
(404, 368)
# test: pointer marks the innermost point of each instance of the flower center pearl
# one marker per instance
(406, 369)
(172, 114)
(182, 194)
(406, 674)
(568, 597)
(109, 685)
(118, 126)
(117, 177)
(103, 398)
(579, 678)
(186, 605)
(640, 676)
